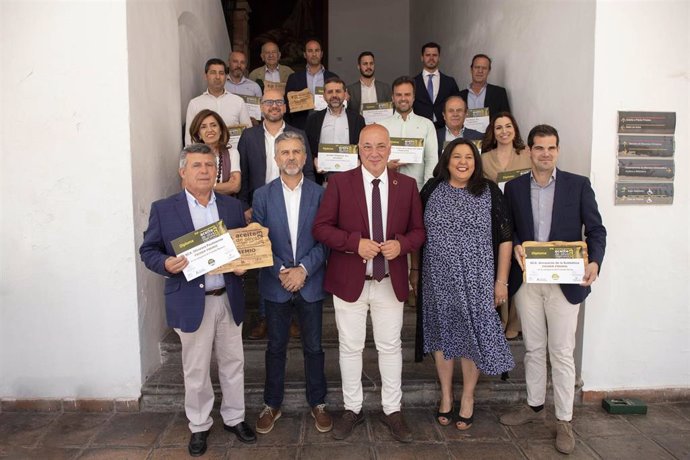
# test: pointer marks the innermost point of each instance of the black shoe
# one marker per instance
(197, 443)
(243, 432)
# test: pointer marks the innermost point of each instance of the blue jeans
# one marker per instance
(278, 316)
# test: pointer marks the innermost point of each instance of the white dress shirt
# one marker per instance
(335, 129)
(272, 171)
(292, 199)
(368, 92)
(230, 107)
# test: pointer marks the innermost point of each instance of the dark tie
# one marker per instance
(430, 87)
(379, 264)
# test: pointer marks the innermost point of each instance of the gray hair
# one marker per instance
(290, 135)
(193, 148)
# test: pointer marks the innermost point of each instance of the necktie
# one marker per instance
(430, 87)
(379, 264)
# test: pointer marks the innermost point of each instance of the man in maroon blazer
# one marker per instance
(371, 219)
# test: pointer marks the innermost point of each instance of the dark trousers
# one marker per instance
(278, 316)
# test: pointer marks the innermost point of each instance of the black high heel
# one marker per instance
(446, 415)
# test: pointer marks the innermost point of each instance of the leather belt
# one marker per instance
(371, 278)
(216, 292)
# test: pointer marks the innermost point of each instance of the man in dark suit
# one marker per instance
(432, 87)
(481, 94)
(287, 207)
(314, 76)
(367, 89)
(204, 311)
(256, 147)
(334, 124)
(454, 112)
(551, 205)
(371, 219)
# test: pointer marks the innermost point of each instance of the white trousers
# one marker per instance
(386, 318)
(217, 328)
(548, 319)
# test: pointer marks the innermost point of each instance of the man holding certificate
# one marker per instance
(206, 311)
(551, 205)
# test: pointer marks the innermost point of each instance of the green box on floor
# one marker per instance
(624, 406)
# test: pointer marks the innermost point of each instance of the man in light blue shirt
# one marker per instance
(237, 83)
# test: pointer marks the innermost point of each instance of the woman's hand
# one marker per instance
(500, 293)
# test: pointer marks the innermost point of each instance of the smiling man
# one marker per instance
(236, 82)
(454, 112)
(272, 70)
(480, 93)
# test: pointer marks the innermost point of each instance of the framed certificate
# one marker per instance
(337, 157)
(477, 119)
(407, 149)
(234, 135)
(206, 249)
(554, 262)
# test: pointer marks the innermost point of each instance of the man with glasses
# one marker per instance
(258, 166)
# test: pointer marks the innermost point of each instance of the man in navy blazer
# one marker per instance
(287, 207)
(454, 112)
(551, 205)
(481, 94)
(204, 311)
(442, 86)
(312, 77)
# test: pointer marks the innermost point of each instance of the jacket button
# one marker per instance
(201, 285)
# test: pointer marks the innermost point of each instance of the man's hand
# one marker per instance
(519, 254)
(316, 166)
(394, 164)
(368, 249)
(248, 216)
(239, 271)
(414, 280)
(175, 265)
(390, 249)
(292, 279)
(591, 273)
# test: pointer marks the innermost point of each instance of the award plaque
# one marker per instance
(274, 85)
(554, 262)
(300, 101)
(206, 250)
(254, 247)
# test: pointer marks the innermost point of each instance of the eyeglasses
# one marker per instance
(272, 102)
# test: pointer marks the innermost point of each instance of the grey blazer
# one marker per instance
(383, 94)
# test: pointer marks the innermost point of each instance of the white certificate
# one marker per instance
(374, 112)
(235, 133)
(206, 249)
(337, 157)
(477, 119)
(319, 101)
(253, 106)
(407, 149)
(555, 262)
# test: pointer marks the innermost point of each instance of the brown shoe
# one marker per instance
(267, 418)
(396, 423)
(294, 330)
(323, 420)
(259, 330)
(345, 424)
(523, 415)
(565, 439)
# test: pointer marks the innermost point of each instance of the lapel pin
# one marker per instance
(395, 182)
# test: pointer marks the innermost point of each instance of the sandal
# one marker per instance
(448, 416)
(467, 422)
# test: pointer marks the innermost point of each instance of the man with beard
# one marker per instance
(433, 87)
(367, 89)
(237, 83)
(335, 124)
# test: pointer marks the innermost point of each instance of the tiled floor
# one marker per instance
(664, 433)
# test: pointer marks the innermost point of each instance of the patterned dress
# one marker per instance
(458, 281)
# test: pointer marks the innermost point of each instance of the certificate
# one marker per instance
(477, 119)
(234, 135)
(554, 262)
(319, 101)
(274, 85)
(337, 157)
(407, 149)
(206, 249)
(300, 101)
(505, 176)
(374, 112)
(253, 106)
(253, 246)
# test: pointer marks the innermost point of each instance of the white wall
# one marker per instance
(68, 300)
(542, 52)
(637, 329)
(379, 26)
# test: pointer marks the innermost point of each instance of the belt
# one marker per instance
(371, 278)
(216, 292)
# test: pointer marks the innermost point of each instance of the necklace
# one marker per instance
(219, 176)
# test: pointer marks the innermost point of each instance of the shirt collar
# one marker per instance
(469, 88)
(551, 180)
(282, 128)
(426, 73)
(193, 201)
(225, 91)
(329, 112)
(368, 177)
(373, 81)
(298, 187)
(410, 115)
(321, 70)
(272, 71)
(242, 81)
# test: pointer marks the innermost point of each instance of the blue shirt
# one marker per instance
(475, 101)
(542, 206)
(201, 217)
(314, 81)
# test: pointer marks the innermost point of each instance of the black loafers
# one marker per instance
(243, 432)
(197, 443)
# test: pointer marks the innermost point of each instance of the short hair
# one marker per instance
(480, 55)
(454, 96)
(193, 148)
(363, 54)
(215, 61)
(476, 183)
(334, 80)
(401, 81)
(269, 42)
(542, 131)
(312, 39)
(431, 45)
(489, 142)
(195, 126)
(287, 136)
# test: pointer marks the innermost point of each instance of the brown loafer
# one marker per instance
(267, 419)
(396, 423)
(259, 330)
(322, 419)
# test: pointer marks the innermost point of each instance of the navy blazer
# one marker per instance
(355, 124)
(184, 300)
(269, 211)
(574, 206)
(496, 99)
(252, 148)
(297, 82)
(422, 103)
(469, 134)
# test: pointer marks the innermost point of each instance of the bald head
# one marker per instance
(374, 148)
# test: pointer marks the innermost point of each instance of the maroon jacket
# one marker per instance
(342, 220)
